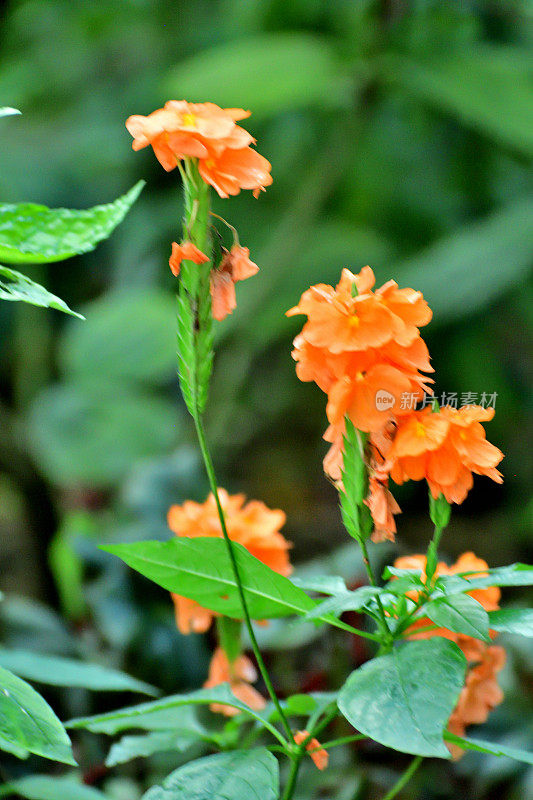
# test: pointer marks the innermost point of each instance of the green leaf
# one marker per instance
(395, 572)
(324, 584)
(469, 261)
(33, 234)
(302, 705)
(47, 787)
(347, 601)
(130, 747)
(495, 749)
(5, 111)
(200, 568)
(91, 435)
(512, 620)
(251, 774)
(459, 613)
(284, 71)
(512, 575)
(129, 336)
(488, 88)
(162, 715)
(17, 286)
(28, 724)
(56, 671)
(403, 580)
(404, 699)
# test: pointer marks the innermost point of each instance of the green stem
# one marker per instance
(404, 778)
(293, 775)
(301, 751)
(317, 729)
(236, 574)
(431, 557)
(196, 332)
(364, 634)
(386, 634)
(356, 737)
(426, 628)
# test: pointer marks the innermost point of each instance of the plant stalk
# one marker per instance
(404, 778)
(386, 634)
(293, 776)
(236, 574)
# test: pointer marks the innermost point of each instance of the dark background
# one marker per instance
(400, 135)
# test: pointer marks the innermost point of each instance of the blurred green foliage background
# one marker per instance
(401, 135)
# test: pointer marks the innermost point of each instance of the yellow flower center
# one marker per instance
(462, 435)
(353, 321)
(359, 376)
(189, 120)
(420, 430)
(210, 163)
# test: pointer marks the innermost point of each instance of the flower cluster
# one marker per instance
(251, 524)
(207, 136)
(208, 133)
(257, 528)
(481, 692)
(445, 448)
(364, 349)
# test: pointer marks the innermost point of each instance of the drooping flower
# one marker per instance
(318, 754)
(251, 524)
(208, 133)
(382, 507)
(232, 170)
(238, 261)
(235, 266)
(444, 448)
(223, 297)
(481, 692)
(240, 675)
(186, 251)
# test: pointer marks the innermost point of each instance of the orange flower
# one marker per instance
(369, 397)
(235, 266)
(445, 448)
(187, 251)
(363, 348)
(239, 674)
(223, 297)
(481, 692)
(479, 695)
(352, 317)
(251, 524)
(232, 170)
(206, 132)
(239, 263)
(183, 130)
(319, 756)
(382, 506)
